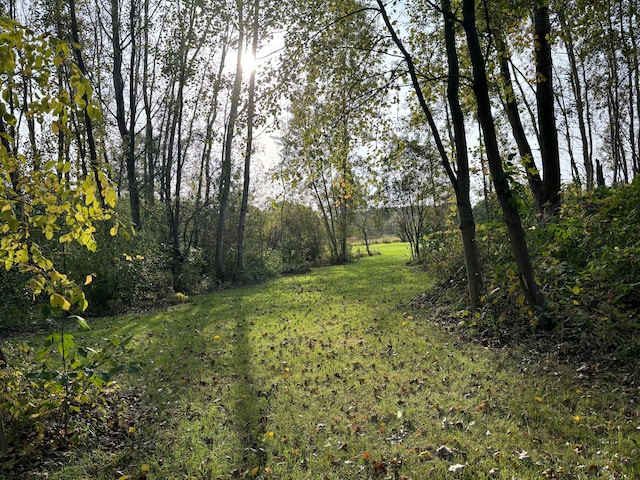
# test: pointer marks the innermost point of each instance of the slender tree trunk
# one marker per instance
(132, 177)
(546, 114)
(88, 123)
(635, 79)
(149, 148)
(465, 211)
(244, 207)
(575, 174)
(576, 87)
(225, 175)
(126, 132)
(519, 134)
(467, 221)
(510, 212)
(599, 174)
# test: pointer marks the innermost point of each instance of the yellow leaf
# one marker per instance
(576, 418)
(89, 279)
(132, 429)
(57, 276)
(59, 301)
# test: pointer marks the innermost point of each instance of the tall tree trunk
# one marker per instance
(575, 174)
(132, 177)
(244, 207)
(126, 132)
(510, 212)
(149, 148)
(546, 115)
(635, 79)
(576, 87)
(467, 223)
(225, 174)
(88, 123)
(519, 134)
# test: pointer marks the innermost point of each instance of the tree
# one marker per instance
(225, 174)
(47, 202)
(460, 178)
(413, 188)
(251, 105)
(513, 113)
(550, 188)
(334, 108)
(508, 201)
(127, 131)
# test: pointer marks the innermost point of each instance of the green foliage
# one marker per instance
(586, 259)
(50, 203)
(126, 271)
(50, 407)
(590, 257)
(295, 231)
(44, 199)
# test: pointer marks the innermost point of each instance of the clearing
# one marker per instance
(333, 375)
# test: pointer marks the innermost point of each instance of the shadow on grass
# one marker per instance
(248, 413)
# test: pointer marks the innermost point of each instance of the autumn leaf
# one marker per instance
(58, 301)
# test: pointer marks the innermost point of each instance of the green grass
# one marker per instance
(332, 375)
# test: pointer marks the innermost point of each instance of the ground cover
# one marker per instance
(335, 375)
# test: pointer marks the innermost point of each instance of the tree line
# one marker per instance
(376, 105)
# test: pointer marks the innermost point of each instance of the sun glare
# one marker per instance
(249, 63)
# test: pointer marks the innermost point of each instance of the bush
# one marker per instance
(127, 271)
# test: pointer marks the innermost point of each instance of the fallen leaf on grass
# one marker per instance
(524, 456)
(444, 452)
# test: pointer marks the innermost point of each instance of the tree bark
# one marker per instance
(465, 211)
(132, 177)
(550, 197)
(251, 106)
(225, 174)
(149, 147)
(519, 134)
(507, 200)
(576, 87)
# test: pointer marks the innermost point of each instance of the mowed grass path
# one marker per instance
(331, 375)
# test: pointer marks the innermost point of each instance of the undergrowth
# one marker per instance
(587, 263)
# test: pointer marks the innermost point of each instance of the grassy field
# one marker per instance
(332, 375)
